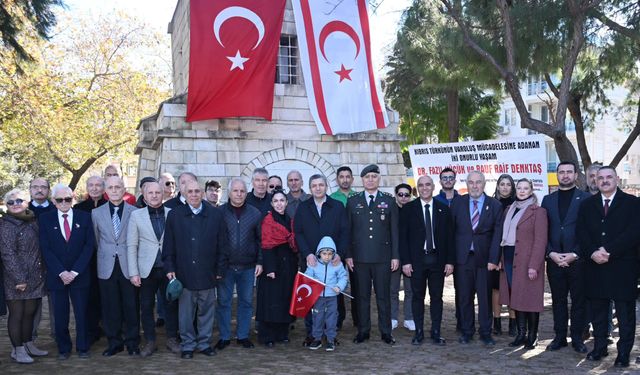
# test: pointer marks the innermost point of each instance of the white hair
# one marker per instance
(237, 179)
(59, 188)
(18, 193)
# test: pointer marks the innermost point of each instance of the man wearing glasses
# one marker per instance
(275, 183)
(39, 190)
(66, 242)
(447, 181)
(168, 184)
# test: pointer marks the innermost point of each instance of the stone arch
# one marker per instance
(294, 153)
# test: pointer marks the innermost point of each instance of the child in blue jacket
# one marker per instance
(325, 310)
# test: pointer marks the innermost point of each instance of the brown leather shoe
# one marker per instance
(149, 349)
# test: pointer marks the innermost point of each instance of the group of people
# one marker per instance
(189, 252)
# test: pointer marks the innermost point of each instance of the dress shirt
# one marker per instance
(319, 206)
(480, 205)
(610, 198)
(196, 210)
(424, 220)
(61, 221)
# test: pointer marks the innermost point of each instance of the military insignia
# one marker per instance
(359, 205)
(383, 205)
(382, 217)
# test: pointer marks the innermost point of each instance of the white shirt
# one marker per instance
(183, 199)
(196, 210)
(610, 198)
(61, 221)
(424, 220)
(43, 205)
(319, 206)
(367, 194)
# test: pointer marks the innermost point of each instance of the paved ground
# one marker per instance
(373, 357)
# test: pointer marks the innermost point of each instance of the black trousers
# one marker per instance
(354, 303)
(626, 314)
(427, 276)
(474, 280)
(565, 281)
(120, 305)
(62, 307)
(157, 280)
(94, 308)
(380, 274)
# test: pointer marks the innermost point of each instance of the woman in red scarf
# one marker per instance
(280, 265)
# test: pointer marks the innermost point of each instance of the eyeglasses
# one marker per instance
(15, 202)
(275, 186)
(169, 183)
(404, 195)
(448, 178)
(66, 200)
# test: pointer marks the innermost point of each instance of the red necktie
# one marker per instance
(67, 227)
(606, 206)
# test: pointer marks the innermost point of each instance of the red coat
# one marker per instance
(531, 241)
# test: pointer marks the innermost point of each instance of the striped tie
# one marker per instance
(475, 217)
(115, 219)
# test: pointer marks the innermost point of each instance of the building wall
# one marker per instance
(224, 148)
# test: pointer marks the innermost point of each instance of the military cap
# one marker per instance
(370, 168)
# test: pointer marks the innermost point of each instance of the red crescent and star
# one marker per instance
(339, 26)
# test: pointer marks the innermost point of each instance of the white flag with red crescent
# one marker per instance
(335, 51)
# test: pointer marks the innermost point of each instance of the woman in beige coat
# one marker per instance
(523, 249)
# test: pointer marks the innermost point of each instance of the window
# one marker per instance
(536, 85)
(287, 66)
(544, 114)
(510, 118)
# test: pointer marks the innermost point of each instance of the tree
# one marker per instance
(23, 18)
(552, 37)
(82, 98)
(436, 87)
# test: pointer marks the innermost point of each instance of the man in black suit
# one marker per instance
(478, 231)
(565, 263)
(67, 243)
(427, 255)
(373, 252)
(609, 237)
(315, 218)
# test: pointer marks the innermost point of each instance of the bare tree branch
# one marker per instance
(611, 24)
(635, 132)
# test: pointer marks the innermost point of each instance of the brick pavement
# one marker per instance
(373, 357)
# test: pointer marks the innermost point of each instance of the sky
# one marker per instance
(158, 13)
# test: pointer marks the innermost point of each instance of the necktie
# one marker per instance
(606, 206)
(115, 219)
(427, 227)
(475, 216)
(371, 197)
(67, 227)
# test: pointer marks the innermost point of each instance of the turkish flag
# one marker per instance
(335, 50)
(305, 293)
(232, 63)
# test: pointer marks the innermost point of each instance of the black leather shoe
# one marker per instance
(418, 337)
(308, 341)
(487, 340)
(63, 356)
(579, 347)
(112, 351)
(221, 344)
(134, 351)
(596, 355)
(246, 343)
(269, 344)
(187, 354)
(437, 340)
(388, 339)
(557, 344)
(83, 355)
(621, 361)
(209, 352)
(360, 338)
(464, 339)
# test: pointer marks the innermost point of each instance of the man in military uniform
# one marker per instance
(373, 254)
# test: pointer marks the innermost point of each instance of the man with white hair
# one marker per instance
(181, 197)
(67, 243)
(242, 258)
(113, 170)
(259, 197)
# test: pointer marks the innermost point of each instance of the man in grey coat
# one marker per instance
(119, 297)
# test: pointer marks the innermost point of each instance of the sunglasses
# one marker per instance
(169, 183)
(448, 178)
(404, 195)
(275, 186)
(16, 202)
(66, 200)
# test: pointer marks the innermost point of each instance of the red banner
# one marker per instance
(232, 63)
(305, 293)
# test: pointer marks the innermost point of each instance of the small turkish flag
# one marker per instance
(232, 61)
(305, 293)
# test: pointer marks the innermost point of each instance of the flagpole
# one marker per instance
(323, 284)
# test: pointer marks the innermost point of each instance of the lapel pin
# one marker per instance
(56, 228)
(77, 225)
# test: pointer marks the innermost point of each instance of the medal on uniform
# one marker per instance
(381, 216)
